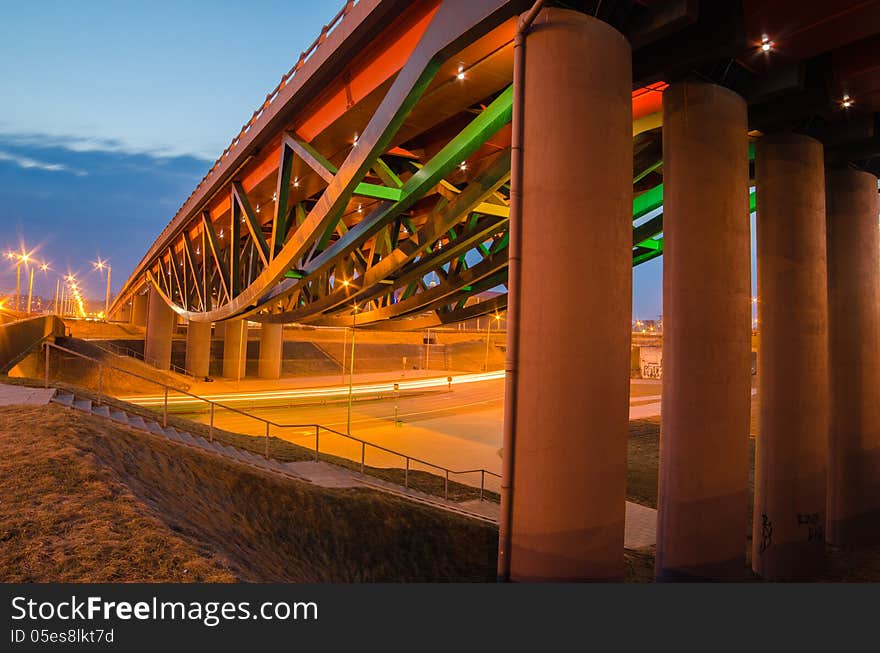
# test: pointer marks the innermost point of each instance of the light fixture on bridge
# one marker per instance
(766, 43)
(198, 251)
(460, 76)
(220, 235)
(356, 137)
(257, 209)
(274, 197)
(462, 166)
(846, 102)
(360, 208)
(296, 182)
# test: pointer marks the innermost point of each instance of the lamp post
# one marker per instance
(488, 330)
(100, 266)
(351, 367)
(43, 267)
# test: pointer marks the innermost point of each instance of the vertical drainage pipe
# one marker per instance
(513, 288)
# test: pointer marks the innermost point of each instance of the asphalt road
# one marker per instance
(460, 430)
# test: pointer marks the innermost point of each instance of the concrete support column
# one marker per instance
(790, 463)
(854, 358)
(572, 401)
(234, 349)
(160, 322)
(139, 308)
(703, 489)
(271, 344)
(198, 348)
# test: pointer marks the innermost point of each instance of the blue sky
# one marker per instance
(113, 111)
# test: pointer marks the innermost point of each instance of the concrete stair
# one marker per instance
(153, 427)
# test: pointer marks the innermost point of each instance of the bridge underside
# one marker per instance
(381, 192)
(385, 200)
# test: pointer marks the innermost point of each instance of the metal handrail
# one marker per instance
(118, 350)
(268, 423)
(273, 94)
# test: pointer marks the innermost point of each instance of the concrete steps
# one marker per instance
(70, 400)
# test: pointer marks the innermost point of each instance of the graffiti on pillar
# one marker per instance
(766, 533)
(813, 522)
(651, 362)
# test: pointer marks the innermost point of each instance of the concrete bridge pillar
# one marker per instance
(792, 441)
(198, 348)
(271, 345)
(160, 324)
(572, 398)
(139, 308)
(854, 358)
(703, 489)
(234, 349)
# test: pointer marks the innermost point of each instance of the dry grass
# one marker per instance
(87, 500)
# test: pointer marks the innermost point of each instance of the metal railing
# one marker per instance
(119, 350)
(304, 56)
(267, 425)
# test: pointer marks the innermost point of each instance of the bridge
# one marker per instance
(432, 161)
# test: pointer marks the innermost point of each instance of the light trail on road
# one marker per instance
(318, 392)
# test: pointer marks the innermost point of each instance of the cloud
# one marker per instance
(73, 143)
(28, 163)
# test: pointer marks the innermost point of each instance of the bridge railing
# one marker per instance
(119, 350)
(265, 426)
(304, 56)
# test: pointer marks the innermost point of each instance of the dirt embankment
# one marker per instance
(86, 500)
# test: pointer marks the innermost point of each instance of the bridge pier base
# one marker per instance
(572, 398)
(854, 357)
(234, 349)
(792, 441)
(271, 345)
(139, 308)
(704, 441)
(160, 325)
(198, 348)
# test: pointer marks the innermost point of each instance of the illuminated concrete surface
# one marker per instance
(459, 430)
(16, 395)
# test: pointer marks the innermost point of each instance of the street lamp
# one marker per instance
(100, 265)
(351, 368)
(488, 329)
(44, 267)
(25, 258)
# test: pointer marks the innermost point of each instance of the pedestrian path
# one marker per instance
(17, 395)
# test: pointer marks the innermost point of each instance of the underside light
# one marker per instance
(846, 101)
(766, 43)
(462, 166)
(198, 251)
(460, 74)
(360, 208)
(296, 182)
(345, 283)
(274, 197)
(220, 235)
(356, 137)
(257, 210)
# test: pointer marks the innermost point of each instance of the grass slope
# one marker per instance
(86, 500)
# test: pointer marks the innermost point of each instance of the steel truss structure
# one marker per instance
(391, 207)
